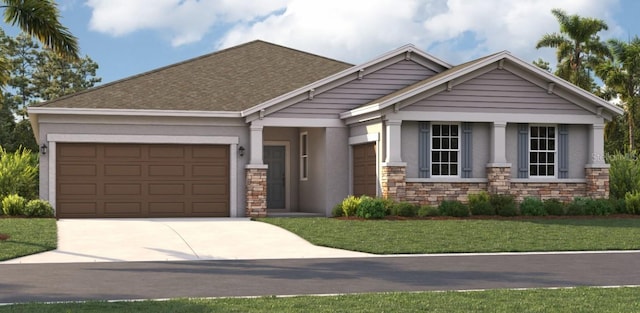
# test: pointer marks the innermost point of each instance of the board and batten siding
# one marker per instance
(358, 92)
(498, 91)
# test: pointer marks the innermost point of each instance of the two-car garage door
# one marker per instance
(141, 180)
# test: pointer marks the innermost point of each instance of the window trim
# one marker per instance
(304, 156)
(458, 150)
(555, 152)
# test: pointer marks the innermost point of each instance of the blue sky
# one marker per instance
(128, 37)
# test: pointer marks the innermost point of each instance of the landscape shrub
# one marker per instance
(624, 174)
(453, 208)
(428, 210)
(532, 206)
(479, 204)
(404, 209)
(371, 208)
(389, 204)
(599, 207)
(632, 202)
(617, 205)
(13, 204)
(554, 207)
(38, 208)
(18, 173)
(337, 210)
(505, 205)
(577, 206)
(350, 205)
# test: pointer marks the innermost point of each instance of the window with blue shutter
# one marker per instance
(563, 151)
(523, 151)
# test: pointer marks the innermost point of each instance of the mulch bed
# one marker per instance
(495, 217)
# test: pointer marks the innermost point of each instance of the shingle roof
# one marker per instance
(233, 79)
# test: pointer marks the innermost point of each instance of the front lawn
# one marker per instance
(536, 300)
(27, 236)
(466, 235)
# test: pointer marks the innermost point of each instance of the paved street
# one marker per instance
(148, 280)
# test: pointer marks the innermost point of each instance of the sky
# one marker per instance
(129, 37)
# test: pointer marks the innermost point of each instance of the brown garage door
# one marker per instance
(141, 180)
(364, 170)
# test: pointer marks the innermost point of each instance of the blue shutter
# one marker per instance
(424, 149)
(466, 151)
(563, 151)
(523, 150)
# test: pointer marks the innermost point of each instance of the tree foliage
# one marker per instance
(36, 74)
(578, 47)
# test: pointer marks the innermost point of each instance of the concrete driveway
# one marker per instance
(174, 239)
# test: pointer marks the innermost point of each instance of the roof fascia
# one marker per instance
(132, 112)
(404, 51)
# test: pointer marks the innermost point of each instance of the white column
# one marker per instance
(498, 144)
(255, 149)
(596, 145)
(393, 142)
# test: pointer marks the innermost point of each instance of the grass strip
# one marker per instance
(466, 235)
(535, 300)
(27, 236)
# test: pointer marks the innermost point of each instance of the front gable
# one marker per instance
(498, 91)
(360, 90)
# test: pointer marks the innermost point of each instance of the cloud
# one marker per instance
(354, 31)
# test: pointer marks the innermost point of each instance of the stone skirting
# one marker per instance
(393, 182)
(434, 193)
(564, 192)
(499, 179)
(256, 192)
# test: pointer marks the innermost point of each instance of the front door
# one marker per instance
(364, 170)
(274, 157)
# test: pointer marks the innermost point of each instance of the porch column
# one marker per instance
(498, 170)
(256, 176)
(393, 172)
(597, 172)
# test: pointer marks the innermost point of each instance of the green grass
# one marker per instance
(466, 235)
(27, 236)
(536, 300)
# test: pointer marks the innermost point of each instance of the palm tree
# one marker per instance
(577, 47)
(621, 76)
(41, 20)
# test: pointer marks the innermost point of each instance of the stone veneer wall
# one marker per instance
(256, 192)
(393, 182)
(564, 192)
(434, 193)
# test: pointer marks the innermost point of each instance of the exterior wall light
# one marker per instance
(241, 151)
(43, 149)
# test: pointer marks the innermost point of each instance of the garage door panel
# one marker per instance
(142, 180)
(122, 170)
(174, 208)
(163, 152)
(122, 151)
(123, 208)
(166, 189)
(167, 170)
(120, 189)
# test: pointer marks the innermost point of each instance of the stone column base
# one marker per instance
(597, 182)
(393, 182)
(499, 179)
(256, 181)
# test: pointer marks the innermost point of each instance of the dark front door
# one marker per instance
(274, 157)
(364, 170)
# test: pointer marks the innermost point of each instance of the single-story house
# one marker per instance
(261, 128)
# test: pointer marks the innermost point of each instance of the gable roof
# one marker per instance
(406, 50)
(232, 79)
(471, 66)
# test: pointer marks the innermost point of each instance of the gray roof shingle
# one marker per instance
(232, 79)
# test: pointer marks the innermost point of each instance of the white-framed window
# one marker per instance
(304, 156)
(542, 151)
(445, 150)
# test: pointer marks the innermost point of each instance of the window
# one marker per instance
(542, 151)
(304, 156)
(445, 149)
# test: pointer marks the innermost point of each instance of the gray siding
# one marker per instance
(358, 92)
(498, 91)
